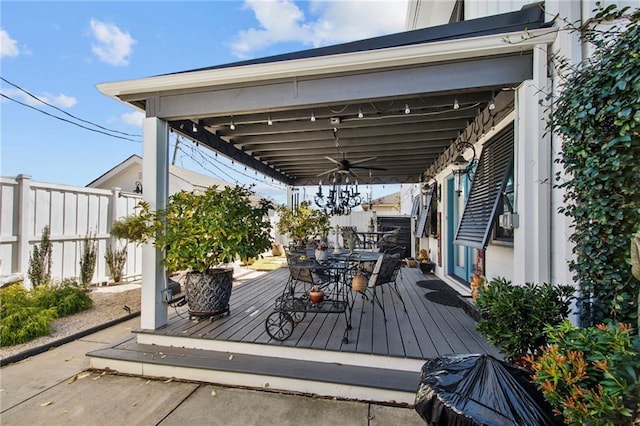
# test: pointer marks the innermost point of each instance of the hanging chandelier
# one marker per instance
(342, 197)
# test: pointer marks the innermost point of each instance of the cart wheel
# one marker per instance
(279, 325)
(298, 313)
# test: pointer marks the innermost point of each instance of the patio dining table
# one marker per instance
(333, 275)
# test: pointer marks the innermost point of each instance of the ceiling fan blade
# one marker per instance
(337, 169)
(368, 167)
(364, 160)
(332, 160)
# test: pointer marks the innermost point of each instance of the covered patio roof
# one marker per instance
(403, 99)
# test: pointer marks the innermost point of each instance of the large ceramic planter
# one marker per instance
(208, 293)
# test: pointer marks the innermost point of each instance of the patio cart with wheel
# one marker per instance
(312, 287)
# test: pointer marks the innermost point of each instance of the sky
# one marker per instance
(52, 54)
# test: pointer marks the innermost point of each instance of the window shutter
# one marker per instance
(488, 183)
(415, 209)
(422, 222)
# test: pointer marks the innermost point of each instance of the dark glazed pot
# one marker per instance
(208, 292)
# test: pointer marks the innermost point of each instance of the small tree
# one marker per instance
(88, 259)
(39, 270)
(116, 260)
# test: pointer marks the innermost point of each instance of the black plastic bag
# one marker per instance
(474, 389)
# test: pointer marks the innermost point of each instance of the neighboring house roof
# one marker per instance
(390, 200)
(198, 181)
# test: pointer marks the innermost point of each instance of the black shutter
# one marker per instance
(488, 183)
(422, 222)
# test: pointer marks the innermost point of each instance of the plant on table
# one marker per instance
(591, 375)
(512, 316)
(303, 224)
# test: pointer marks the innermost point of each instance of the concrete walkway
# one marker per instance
(55, 388)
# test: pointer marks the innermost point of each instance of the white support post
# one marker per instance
(568, 45)
(24, 226)
(532, 239)
(155, 171)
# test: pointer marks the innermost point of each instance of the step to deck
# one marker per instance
(259, 372)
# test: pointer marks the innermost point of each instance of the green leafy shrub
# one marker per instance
(199, 231)
(598, 117)
(591, 375)
(116, 259)
(39, 269)
(512, 316)
(88, 259)
(27, 314)
(67, 299)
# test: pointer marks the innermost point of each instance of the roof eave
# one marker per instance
(450, 50)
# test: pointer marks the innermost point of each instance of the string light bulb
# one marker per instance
(194, 129)
(232, 125)
(407, 110)
(360, 113)
(492, 104)
(313, 116)
(269, 120)
(456, 105)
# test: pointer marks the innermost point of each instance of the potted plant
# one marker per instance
(425, 262)
(303, 224)
(203, 232)
(316, 294)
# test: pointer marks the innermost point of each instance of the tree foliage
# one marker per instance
(598, 116)
(39, 269)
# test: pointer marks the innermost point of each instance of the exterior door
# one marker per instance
(460, 263)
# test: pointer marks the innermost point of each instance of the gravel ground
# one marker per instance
(107, 306)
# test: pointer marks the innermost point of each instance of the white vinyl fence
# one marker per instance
(71, 213)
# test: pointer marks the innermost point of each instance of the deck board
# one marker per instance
(430, 326)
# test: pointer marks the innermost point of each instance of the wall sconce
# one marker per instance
(462, 167)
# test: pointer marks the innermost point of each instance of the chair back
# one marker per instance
(302, 273)
(385, 271)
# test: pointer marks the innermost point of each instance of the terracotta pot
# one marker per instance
(359, 283)
(316, 296)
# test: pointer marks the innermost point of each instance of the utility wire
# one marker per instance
(65, 112)
(68, 121)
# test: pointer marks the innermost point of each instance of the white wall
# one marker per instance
(499, 261)
(71, 213)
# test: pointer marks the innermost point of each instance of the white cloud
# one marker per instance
(332, 22)
(61, 100)
(8, 46)
(133, 118)
(112, 45)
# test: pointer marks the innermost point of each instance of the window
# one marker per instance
(433, 213)
(505, 205)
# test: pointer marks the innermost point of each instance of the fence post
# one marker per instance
(24, 216)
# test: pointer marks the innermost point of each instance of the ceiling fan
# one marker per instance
(345, 166)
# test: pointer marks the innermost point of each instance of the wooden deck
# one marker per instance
(381, 360)
(434, 324)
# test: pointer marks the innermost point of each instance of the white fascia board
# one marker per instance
(449, 50)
